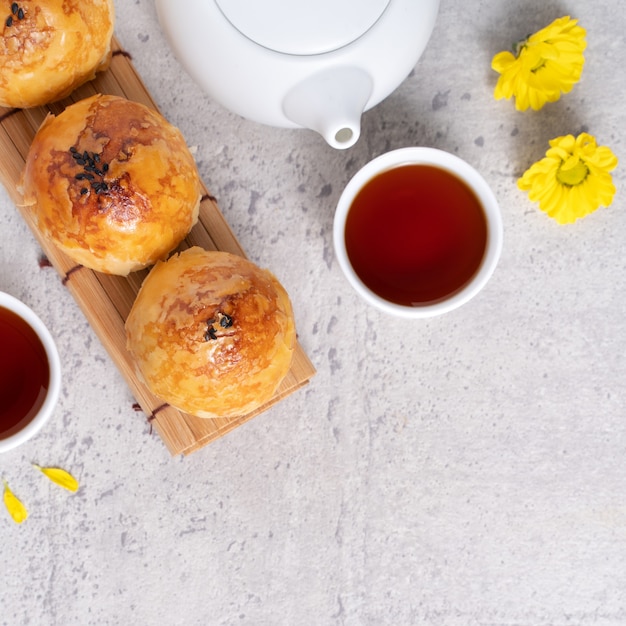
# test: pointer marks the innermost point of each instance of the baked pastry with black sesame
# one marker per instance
(212, 334)
(112, 184)
(50, 47)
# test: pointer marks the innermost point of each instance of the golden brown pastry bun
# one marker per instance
(50, 47)
(212, 334)
(112, 184)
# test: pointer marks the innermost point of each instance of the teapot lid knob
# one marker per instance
(302, 27)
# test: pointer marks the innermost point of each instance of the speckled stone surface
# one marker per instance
(468, 470)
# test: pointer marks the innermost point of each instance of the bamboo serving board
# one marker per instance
(106, 300)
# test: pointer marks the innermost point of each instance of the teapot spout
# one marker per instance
(331, 102)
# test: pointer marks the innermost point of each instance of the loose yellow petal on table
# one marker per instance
(59, 477)
(544, 66)
(14, 506)
(573, 179)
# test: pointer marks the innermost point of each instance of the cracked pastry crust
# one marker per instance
(112, 184)
(211, 333)
(50, 47)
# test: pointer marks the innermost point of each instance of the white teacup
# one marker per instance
(36, 404)
(417, 232)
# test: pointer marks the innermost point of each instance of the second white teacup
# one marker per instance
(30, 373)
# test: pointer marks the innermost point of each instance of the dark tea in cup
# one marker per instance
(29, 373)
(24, 373)
(417, 232)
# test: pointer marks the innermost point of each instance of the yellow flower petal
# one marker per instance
(548, 64)
(573, 179)
(502, 61)
(59, 477)
(14, 506)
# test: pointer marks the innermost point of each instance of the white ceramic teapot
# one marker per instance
(314, 64)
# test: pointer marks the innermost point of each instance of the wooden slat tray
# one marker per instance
(106, 300)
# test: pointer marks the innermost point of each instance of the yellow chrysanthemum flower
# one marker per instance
(545, 65)
(573, 179)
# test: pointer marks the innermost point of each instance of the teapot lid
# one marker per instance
(302, 27)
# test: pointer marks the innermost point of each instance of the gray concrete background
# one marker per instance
(462, 471)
